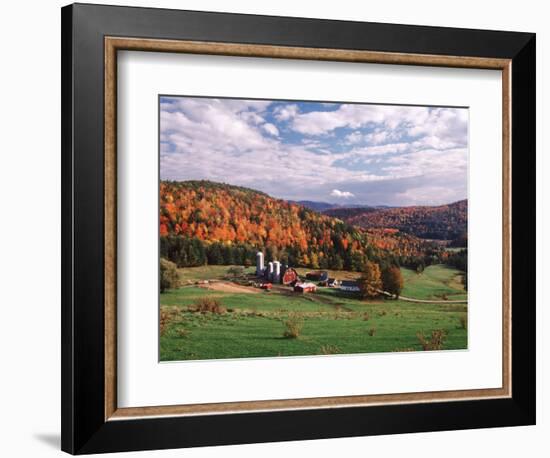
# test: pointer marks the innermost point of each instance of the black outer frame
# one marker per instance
(84, 429)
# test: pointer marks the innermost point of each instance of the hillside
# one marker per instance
(443, 222)
(202, 221)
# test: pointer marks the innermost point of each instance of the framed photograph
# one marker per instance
(283, 228)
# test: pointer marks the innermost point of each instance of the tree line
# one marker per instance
(192, 252)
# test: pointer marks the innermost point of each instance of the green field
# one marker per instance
(436, 282)
(252, 322)
(193, 274)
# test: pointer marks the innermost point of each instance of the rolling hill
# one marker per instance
(443, 222)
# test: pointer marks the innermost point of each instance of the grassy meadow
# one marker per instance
(256, 323)
(436, 282)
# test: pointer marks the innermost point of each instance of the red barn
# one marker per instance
(290, 276)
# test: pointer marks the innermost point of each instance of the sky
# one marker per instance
(340, 153)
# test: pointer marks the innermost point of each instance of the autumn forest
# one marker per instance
(203, 222)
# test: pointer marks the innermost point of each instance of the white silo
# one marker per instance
(276, 271)
(270, 271)
(259, 264)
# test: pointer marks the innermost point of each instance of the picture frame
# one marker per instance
(92, 35)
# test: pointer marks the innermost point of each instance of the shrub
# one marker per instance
(166, 317)
(168, 275)
(435, 342)
(329, 350)
(208, 304)
(235, 271)
(164, 320)
(293, 326)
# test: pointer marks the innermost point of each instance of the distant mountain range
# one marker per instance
(323, 206)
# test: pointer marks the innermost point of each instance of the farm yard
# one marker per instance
(215, 314)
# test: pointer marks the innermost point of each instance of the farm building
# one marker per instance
(259, 264)
(290, 276)
(349, 285)
(305, 287)
(331, 283)
(274, 271)
(317, 276)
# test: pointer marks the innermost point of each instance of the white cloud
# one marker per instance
(427, 195)
(356, 116)
(354, 137)
(341, 194)
(271, 129)
(441, 128)
(214, 140)
(284, 113)
(429, 162)
(379, 150)
(198, 125)
(379, 136)
(322, 122)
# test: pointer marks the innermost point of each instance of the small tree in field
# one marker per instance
(392, 280)
(168, 275)
(370, 282)
(236, 271)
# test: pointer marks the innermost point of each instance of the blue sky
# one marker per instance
(346, 154)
